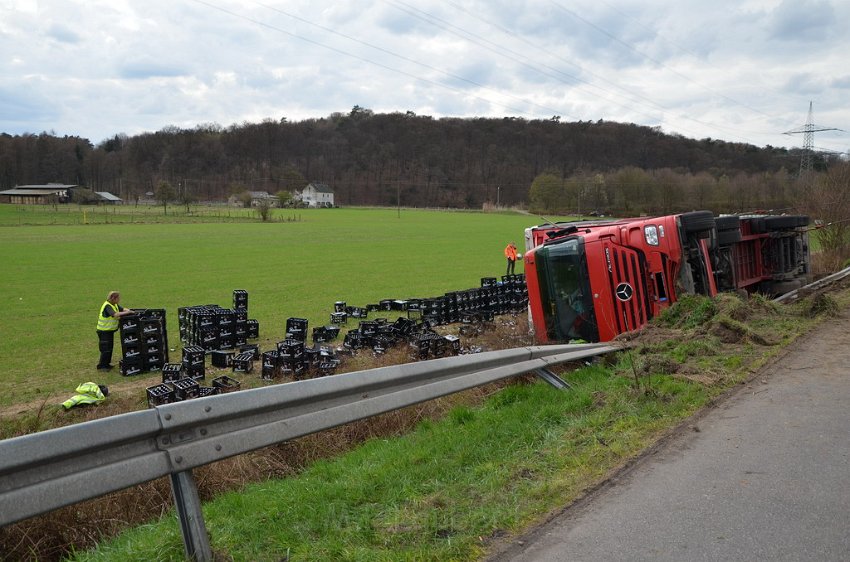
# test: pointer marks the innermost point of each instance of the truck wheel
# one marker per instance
(728, 237)
(785, 221)
(727, 222)
(728, 230)
(698, 222)
(757, 225)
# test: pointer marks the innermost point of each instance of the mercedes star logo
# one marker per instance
(624, 291)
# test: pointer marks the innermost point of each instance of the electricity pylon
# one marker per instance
(808, 130)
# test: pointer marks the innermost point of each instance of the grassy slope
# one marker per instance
(442, 492)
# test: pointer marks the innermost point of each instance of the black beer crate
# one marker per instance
(253, 348)
(311, 354)
(221, 358)
(271, 361)
(290, 349)
(242, 363)
(130, 367)
(198, 372)
(153, 362)
(253, 329)
(339, 317)
(327, 368)
(226, 317)
(240, 299)
(206, 391)
(339, 306)
(325, 333)
(151, 326)
(241, 316)
(172, 372)
(131, 352)
(453, 344)
(226, 384)
(130, 339)
(153, 339)
(358, 312)
(129, 324)
(186, 389)
(296, 328)
(193, 355)
(159, 394)
(353, 339)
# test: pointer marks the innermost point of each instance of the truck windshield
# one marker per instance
(565, 291)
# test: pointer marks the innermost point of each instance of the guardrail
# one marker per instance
(796, 293)
(45, 471)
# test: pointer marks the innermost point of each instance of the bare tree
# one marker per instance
(263, 208)
(828, 202)
(164, 194)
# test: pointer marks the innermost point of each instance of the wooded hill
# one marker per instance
(383, 159)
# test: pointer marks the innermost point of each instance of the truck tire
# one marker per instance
(728, 230)
(727, 222)
(728, 237)
(698, 222)
(785, 222)
(757, 225)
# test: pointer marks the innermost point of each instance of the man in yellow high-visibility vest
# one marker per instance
(107, 325)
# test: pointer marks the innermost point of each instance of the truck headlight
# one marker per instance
(651, 234)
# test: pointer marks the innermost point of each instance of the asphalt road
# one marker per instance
(765, 475)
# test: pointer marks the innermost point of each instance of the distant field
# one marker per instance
(57, 272)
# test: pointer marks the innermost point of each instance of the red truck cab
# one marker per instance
(595, 280)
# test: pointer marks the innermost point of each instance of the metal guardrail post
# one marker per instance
(188, 504)
(552, 378)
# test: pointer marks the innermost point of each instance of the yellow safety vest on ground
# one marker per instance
(87, 393)
(107, 323)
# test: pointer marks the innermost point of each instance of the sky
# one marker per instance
(735, 70)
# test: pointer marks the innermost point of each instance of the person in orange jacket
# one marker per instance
(510, 253)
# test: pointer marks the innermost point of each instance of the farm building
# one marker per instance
(257, 198)
(108, 199)
(317, 195)
(37, 194)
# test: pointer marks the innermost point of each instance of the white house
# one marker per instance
(317, 195)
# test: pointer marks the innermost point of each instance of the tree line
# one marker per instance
(415, 160)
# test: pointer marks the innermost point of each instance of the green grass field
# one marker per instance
(56, 273)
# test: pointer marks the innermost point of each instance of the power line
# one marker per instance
(635, 94)
(659, 63)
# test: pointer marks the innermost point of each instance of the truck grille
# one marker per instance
(626, 266)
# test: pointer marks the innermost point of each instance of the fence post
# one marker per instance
(195, 538)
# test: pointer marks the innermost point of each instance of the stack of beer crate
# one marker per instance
(144, 341)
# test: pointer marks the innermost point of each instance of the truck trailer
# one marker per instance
(594, 280)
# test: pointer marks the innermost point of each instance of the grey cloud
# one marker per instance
(147, 68)
(842, 83)
(22, 104)
(804, 83)
(63, 34)
(803, 20)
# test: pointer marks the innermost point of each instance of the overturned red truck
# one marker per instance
(593, 280)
